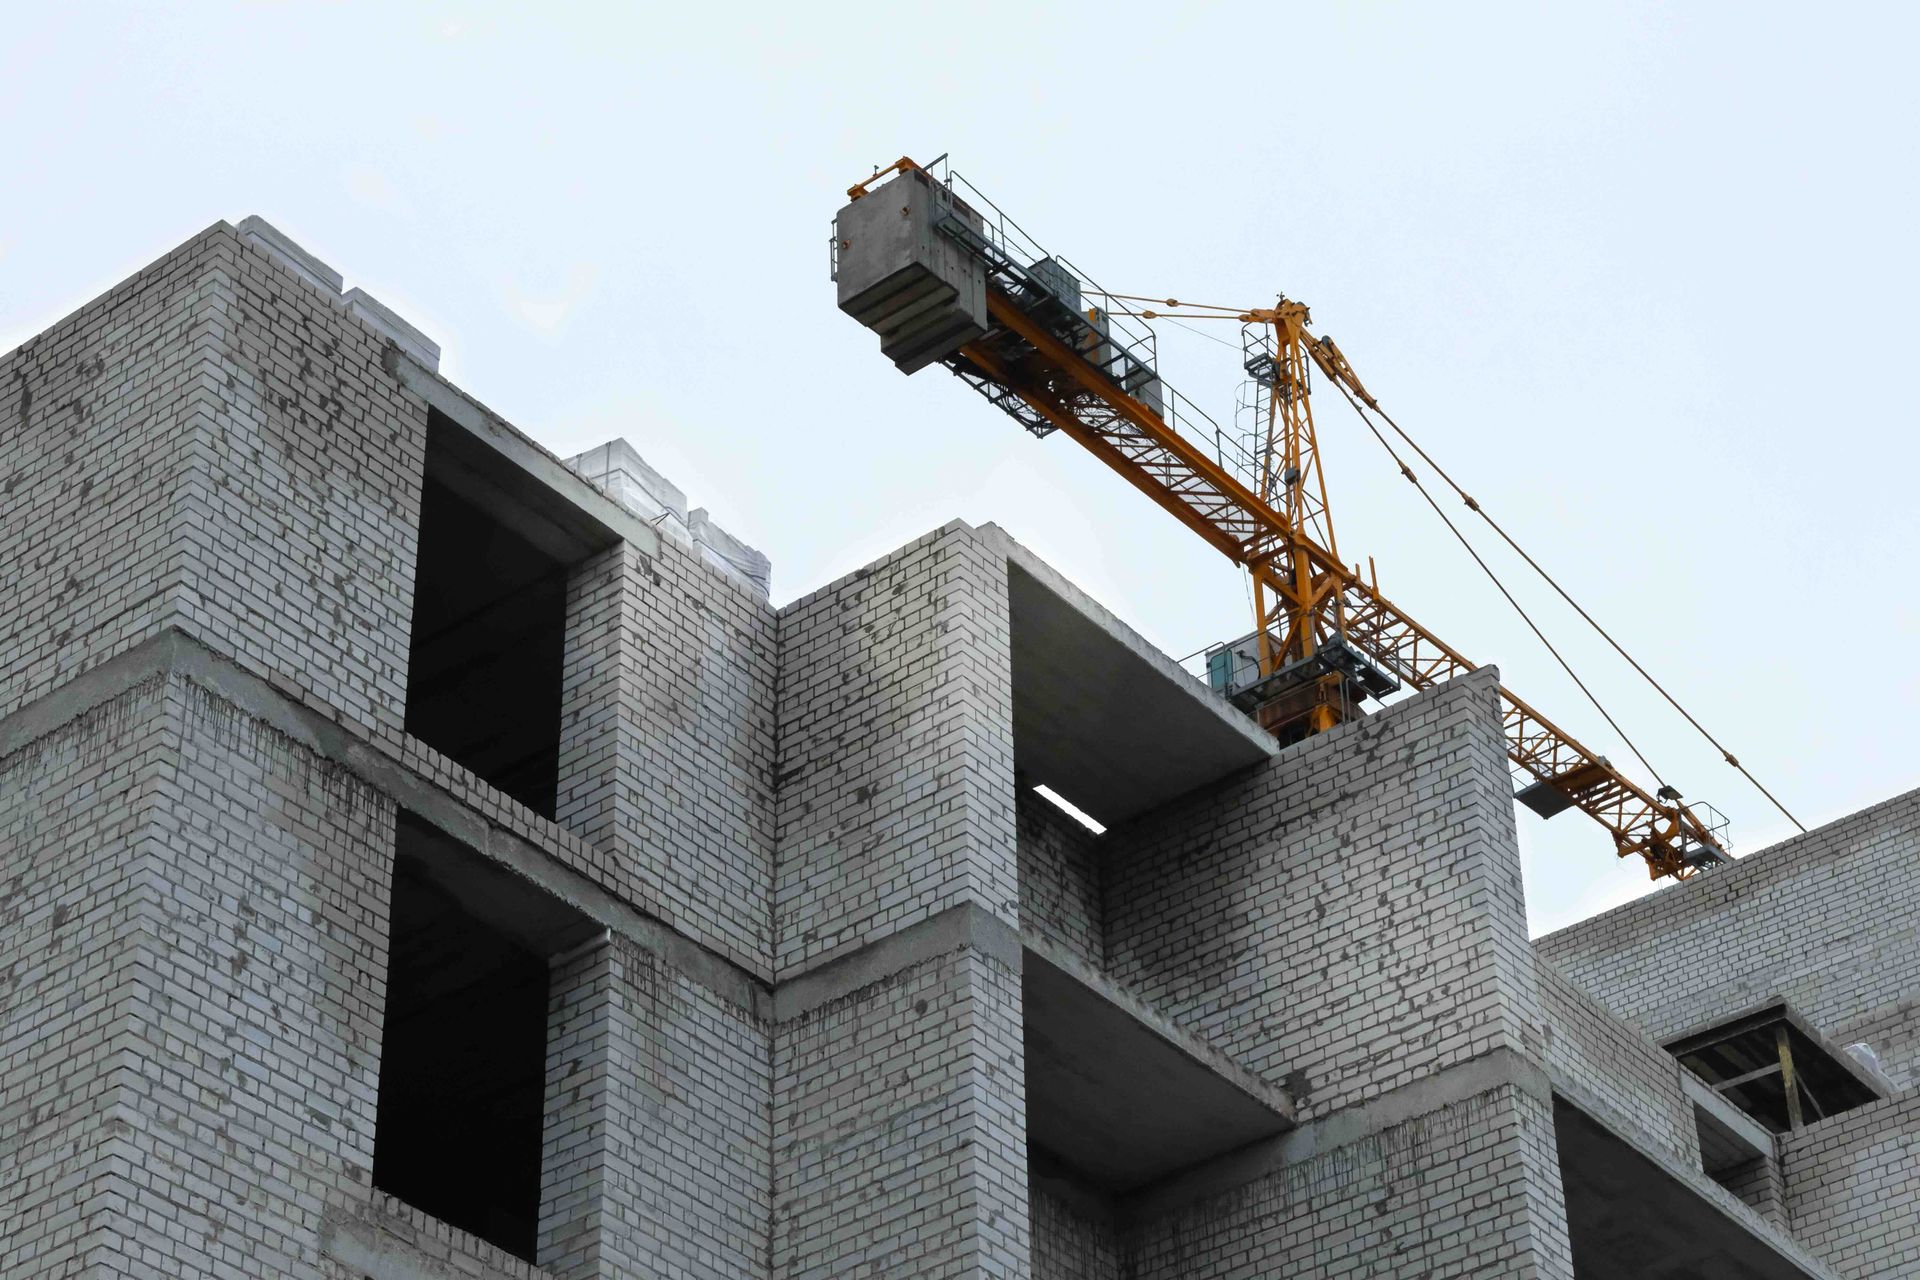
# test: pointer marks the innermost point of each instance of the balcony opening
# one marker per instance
(489, 615)
(463, 1065)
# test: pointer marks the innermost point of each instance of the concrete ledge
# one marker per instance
(1101, 716)
(956, 928)
(1450, 1087)
(540, 467)
(376, 1245)
(1729, 1137)
(1120, 1095)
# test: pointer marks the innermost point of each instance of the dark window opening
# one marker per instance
(489, 614)
(1776, 1069)
(463, 1050)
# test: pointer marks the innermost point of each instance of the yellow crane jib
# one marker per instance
(943, 276)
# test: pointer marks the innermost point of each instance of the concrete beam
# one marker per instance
(537, 869)
(1729, 1137)
(599, 518)
(963, 926)
(1343, 1128)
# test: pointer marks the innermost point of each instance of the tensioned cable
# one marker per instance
(1505, 537)
(1494, 578)
(1517, 549)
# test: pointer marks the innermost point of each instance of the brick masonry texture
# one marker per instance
(895, 768)
(900, 1129)
(226, 1061)
(1069, 1244)
(658, 1123)
(214, 446)
(1455, 1193)
(1620, 1073)
(1825, 919)
(74, 811)
(1060, 881)
(1348, 918)
(667, 741)
(1852, 1194)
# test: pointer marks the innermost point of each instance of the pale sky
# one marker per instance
(1641, 276)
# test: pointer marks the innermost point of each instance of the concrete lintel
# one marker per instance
(1444, 1088)
(173, 651)
(366, 1247)
(1100, 715)
(544, 468)
(959, 927)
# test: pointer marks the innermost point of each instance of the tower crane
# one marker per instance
(944, 277)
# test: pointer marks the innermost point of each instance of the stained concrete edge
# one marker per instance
(1343, 1128)
(1756, 1137)
(965, 925)
(1197, 1050)
(520, 449)
(360, 1243)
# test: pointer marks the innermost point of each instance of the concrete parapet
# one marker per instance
(371, 311)
(257, 230)
(623, 475)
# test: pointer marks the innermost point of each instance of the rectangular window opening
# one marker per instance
(484, 668)
(462, 1091)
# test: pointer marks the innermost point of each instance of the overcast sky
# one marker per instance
(1641, 276)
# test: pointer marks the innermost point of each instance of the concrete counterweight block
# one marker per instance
(902, 278)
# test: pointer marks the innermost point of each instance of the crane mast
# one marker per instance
(944, 277)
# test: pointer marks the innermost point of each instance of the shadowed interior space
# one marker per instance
(463, 1050)
(489, 614)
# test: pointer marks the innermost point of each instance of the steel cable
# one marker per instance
(1494, 578)
(1505, 537)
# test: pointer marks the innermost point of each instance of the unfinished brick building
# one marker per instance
(423, 857)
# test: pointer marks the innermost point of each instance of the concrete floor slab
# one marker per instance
(1631, 1217)
(1100, 715)
(1122, 1097)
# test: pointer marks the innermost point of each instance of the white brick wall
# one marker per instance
(666, 753)
(235, 1007)
(1060, 893)
(658, 1124)
(895, 770)
(192, 904)
(899, 1135)
(1825, 919)
(1069, 1245)
(1852, 1194)
(1346, 919)
(1471, 1190)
